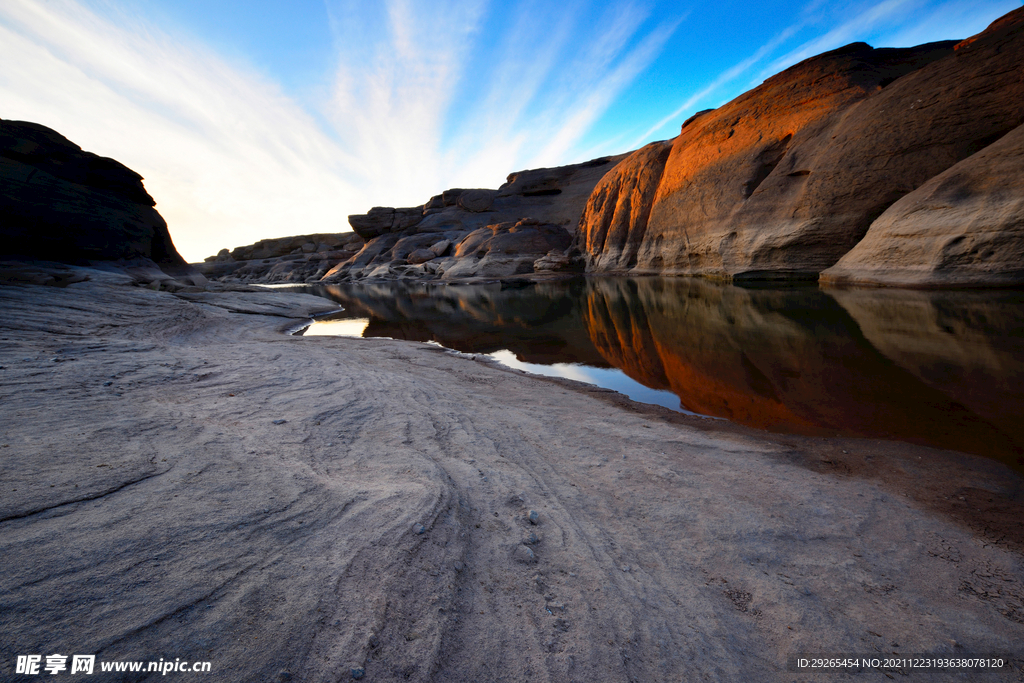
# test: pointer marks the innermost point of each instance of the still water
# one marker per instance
(944, 369)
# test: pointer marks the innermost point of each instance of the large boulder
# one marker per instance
(744, 193)
(58, 203)
(381, 220)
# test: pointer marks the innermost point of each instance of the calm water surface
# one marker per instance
(943, 369)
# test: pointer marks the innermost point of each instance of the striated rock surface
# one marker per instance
(964, 227)
(59, 203)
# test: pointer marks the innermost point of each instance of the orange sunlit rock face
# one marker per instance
(784, 180)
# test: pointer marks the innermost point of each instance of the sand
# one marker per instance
(179, 478)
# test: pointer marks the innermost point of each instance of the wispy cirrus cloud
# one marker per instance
(421, 99)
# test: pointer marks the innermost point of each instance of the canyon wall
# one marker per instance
(786, 179)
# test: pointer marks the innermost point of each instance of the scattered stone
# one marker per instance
(531, 539)
(533, 516)
(524, 555)
(419, 529)
(358, 672)
(280, 422)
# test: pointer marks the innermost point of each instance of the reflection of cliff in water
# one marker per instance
(539, 323)
(941, 369)
(938, 368)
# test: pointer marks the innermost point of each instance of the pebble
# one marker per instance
(280, 422)
(459, 566)
(524, 555)
(358, 672)
(419, 528)
(533, 516)
(530, 539)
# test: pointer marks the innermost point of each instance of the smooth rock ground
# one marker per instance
(154, 505)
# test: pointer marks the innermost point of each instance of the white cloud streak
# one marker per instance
(727, 76)
(231, 159)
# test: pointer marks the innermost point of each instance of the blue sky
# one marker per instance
(263, 119)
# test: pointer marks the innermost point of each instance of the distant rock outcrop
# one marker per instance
(491, 233)
(58, 203)
(301, 258)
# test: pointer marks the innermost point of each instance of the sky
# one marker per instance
(253, 119)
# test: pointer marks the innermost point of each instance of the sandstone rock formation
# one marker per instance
(301, 258)
(551, 200)
(615, 220)
(58, 203)
(963, 227)
(786, 179)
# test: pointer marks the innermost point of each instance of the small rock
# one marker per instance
(459, 566)
(531, 539)
(358, 672)
(524, 555)
(280, 422)
(419, 529)
(533, 516)
(284, 675)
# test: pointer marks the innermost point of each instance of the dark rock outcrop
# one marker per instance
(58, 203)
(300, 258)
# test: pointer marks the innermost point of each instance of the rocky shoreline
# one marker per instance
(183, 479)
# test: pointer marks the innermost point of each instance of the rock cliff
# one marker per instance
(786, 179)
(58, 203)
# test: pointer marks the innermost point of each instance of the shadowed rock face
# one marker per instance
(58, 203)
(964, 227)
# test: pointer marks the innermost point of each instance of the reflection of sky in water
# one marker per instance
(608, 378)
(603, 377)
(349, 327)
